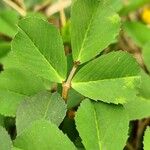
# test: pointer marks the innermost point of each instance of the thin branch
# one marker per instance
(57, 7)
(67, 85)
(21, 11)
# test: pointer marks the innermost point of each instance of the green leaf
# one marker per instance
(116, 5)
(34, 14)
(147, 139)
(8, 22)
(137, 108)
(97, 124)
(146, 54)
(43, 135)
(74, 98)
(5, 141)
(116, 71)
(38, 47)
(20, 81)
(138, 32)
(15, 85)
(41, 106)
(4, 48)
(94, 26)
(144, 89)
(9, 101)
(105, 119)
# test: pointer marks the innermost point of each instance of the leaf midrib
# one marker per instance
(47, 107)
(97, 129)
(86, 33)
(51, 66)
(86, 82)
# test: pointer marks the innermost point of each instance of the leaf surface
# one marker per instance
(38, 47)
(5, 141)
(103, 126)
(43, 135)
(41, 106)
(15, 85)
(116, 5)
(137, 108)
(147, 139)
(94, 25)
(116, 71)
(97, 123)
(74, 98)
(8, 22)
(144, 89)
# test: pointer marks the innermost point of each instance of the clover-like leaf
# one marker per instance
(103, 126)
(15, 85)
(94, 25)
(43, 135)
(41, 106)
(38, 47)
(110, 78)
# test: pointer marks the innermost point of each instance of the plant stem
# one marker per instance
(21, 11)
(62, 17)
(67, 85)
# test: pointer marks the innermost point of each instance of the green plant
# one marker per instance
(81, 100)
